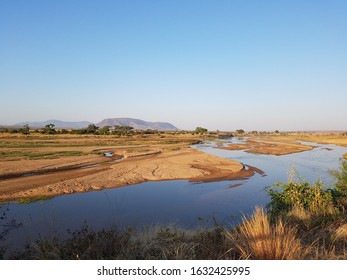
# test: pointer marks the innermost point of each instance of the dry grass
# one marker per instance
(257, 239)
(155, 243)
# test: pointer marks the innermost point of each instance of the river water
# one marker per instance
(178, 203)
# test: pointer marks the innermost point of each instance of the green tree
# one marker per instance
(92, 128)
(200, 130)
(25, 129)
(240, 131)
(122, 130)
(104, 130)
(64, 131)
(49, 129)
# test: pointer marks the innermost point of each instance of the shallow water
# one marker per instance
(179, 202)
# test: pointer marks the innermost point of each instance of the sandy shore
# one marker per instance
(185, 163)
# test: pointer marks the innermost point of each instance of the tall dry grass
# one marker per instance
(256, 238)
(287, 238)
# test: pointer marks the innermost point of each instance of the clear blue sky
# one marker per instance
(220, 64)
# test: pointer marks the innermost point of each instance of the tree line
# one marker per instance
(90, 129)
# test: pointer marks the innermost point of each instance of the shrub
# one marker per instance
(298, 194)
(313, 197)
(340, 176)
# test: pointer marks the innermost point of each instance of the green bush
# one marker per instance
(340, 176)
(313, 197)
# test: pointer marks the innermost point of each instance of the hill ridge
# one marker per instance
(137, 124)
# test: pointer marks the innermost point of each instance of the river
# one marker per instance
(175, 203)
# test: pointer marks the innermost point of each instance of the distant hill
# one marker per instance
(137, 124)
(57, 123)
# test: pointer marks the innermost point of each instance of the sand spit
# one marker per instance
(185, 163)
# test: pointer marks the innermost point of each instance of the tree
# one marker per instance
(64, 131)
(104, 130)
(200, 130)
(92, 128)
(25, 129)
(276, 131)
(122, 130)
(240, 131)
(49, 129)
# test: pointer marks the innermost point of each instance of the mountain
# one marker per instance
(137, 124)
(57, 123)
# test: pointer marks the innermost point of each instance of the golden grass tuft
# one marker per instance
(256, 238)
(341, 232)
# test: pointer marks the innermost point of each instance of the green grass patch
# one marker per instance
(172, 148)
(28, 200)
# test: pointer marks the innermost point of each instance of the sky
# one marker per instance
(219, 64)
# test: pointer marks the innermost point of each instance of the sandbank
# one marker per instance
(183, 164)
(269, 146)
